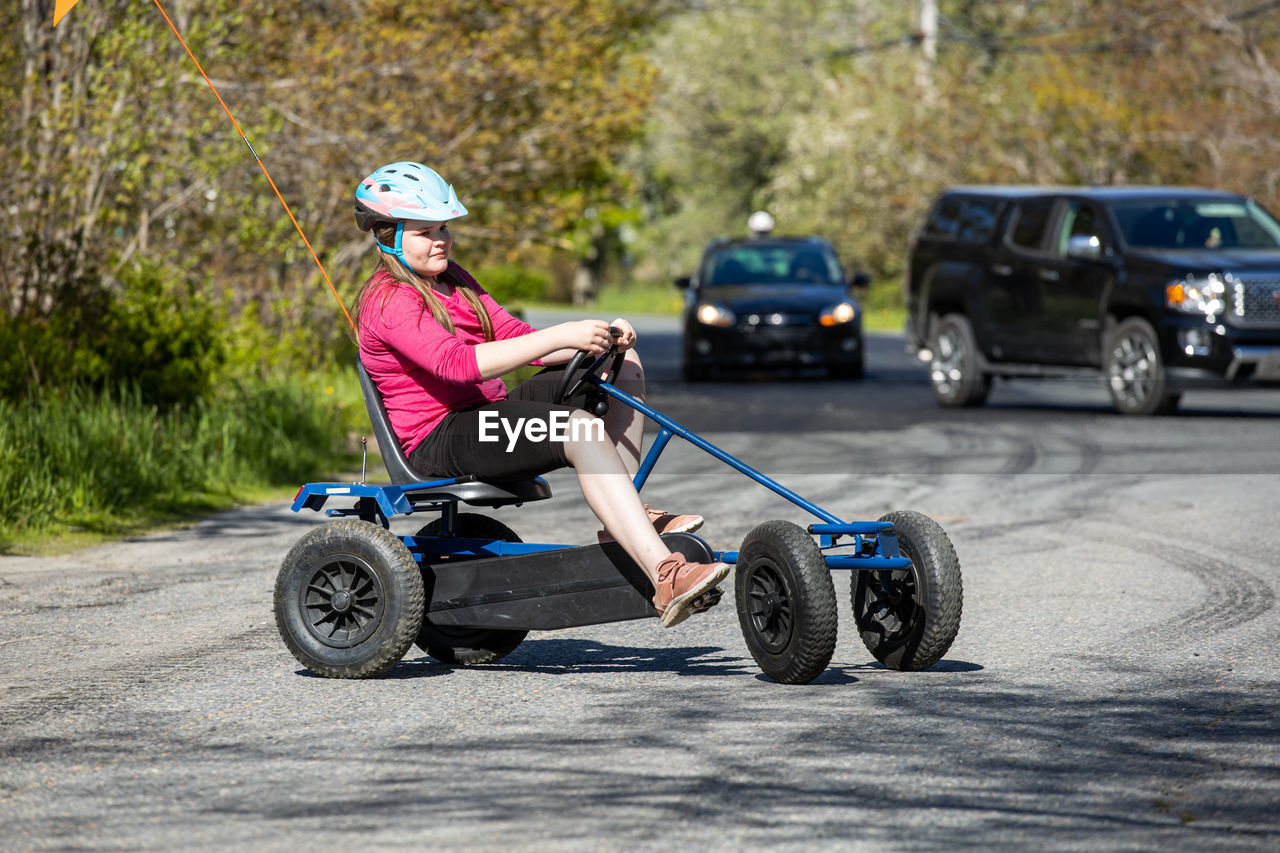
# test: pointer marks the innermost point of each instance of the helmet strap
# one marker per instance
(398, 249)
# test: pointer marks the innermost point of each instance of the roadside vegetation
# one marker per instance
(77, 463)
(167, 343)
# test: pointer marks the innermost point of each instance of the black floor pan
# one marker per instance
(589, 585)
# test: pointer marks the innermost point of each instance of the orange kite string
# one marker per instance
(261, 165)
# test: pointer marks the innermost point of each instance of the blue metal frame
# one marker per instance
(429, 548)
(874, 549)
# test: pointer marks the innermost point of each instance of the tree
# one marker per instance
(817, 109)
(117, 149)
(525, 108)
(735, 79)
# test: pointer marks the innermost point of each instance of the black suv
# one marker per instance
(1159, 289)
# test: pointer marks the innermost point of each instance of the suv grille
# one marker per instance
(1255, 300)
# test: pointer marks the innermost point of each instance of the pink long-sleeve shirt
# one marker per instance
(423, 372)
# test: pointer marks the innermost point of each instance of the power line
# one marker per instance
(1016, 43)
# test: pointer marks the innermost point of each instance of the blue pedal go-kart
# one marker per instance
(352, 596)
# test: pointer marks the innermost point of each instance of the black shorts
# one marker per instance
(484, 441)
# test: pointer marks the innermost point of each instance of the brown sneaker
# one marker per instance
(663, 522)
(681, 583)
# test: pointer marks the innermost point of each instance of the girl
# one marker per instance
(436, 343)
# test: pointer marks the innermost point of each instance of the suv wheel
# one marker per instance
(1135, 371)
(953, 373)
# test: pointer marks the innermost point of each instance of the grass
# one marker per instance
(78, 466)
(883, 310)
(634, 298)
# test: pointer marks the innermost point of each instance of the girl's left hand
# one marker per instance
(627, 339)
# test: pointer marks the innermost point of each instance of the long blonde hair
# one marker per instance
(385, 234)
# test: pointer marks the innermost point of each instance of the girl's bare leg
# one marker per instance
(607, 485)
(608, 488)
(624, 424)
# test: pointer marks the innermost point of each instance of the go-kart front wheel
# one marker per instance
(349, 599)
(908, 618)
(467, 646)
(786, 602)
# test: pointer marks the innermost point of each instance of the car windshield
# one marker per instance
(771, 264)
(1229, 223)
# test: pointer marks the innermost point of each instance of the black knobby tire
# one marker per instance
(1135, 371)
(908, 618)
(468, 646)
(954, 374)
(786, 602)
(349, 599)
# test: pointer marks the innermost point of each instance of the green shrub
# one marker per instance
(273, 337)
(512, 284)
(154, 330)
(884, 295)
(165, 335)
(77, 457)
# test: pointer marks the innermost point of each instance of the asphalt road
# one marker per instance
(1113, 686)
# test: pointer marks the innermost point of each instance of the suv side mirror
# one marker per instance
(860, 282)
(683, 282)
(1084, 246)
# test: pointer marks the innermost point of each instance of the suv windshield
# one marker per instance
(1199, 224)
(771, 264)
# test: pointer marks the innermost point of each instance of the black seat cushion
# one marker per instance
(468, 489)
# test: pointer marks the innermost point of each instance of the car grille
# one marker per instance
(1255, 300)
(775, 318)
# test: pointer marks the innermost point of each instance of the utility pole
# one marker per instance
(929, 30)
(928, 48)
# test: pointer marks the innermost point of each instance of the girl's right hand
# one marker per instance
(590, 335)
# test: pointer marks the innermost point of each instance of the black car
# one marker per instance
(768, 302)
(1156, 289)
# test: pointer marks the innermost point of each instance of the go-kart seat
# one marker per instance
(469, 490)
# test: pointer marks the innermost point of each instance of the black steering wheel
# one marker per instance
(575, 374)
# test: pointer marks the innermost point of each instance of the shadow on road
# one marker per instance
(579, 657)
(780, 765)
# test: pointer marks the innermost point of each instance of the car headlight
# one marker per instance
(838, 315)
(714, 315)
(1197, 295)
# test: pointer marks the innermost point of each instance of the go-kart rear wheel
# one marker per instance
(468, 646)
(786, 602)
(348, 599)
(908, 618)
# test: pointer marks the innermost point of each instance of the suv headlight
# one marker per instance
(838, 315)
(714, 315)
(1197, 295)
